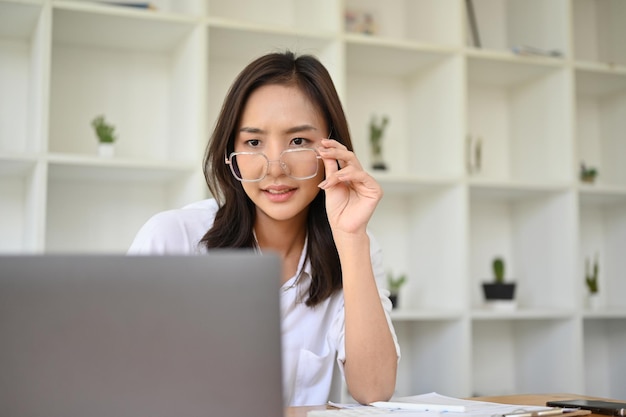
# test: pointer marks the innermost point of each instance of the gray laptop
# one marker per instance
(140, 336)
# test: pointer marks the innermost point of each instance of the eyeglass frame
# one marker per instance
(227, 161)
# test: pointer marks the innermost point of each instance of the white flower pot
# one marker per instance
(106, 150)
(594, 302)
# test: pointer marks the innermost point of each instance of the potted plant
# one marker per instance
(106, 136)
(587, 174)
(377, 131)
(499, 293)
(591, 280)
(394, 285)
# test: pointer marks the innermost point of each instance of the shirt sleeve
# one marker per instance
(175, 232)
(165, 233)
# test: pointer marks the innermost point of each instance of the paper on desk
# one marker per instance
(472, 408)
(353, 410)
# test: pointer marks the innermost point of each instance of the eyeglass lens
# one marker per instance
(297, 164)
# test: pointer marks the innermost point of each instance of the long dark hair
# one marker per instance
(234, 221)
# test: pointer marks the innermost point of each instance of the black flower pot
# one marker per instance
(499, 291)
(394, 300)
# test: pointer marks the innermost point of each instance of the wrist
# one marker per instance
(350, 242)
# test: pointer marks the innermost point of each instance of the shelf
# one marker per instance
(604, 341)
(600, 123)
(94, 169)
(599, 31)
(420, 92)
(485, 190)
(602, 195)
(602, 229)
(20, 204)
(436, 22)
(143, 90)
(526, 348)
(404, 315)
(317, 16)
(605, 314)
(424, 237)
(18, 20)
(524, 134)
(160, 76)
(254, 40)
(535, 237)
(89, 24)
(486, 314)
(22, 41)
(411, 184)
(503, 25)
(16, 166)
(430, 350)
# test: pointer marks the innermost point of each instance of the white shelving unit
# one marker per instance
(160, 77)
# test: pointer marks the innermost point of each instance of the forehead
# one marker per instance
(275, 106)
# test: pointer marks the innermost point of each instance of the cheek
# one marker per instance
(248, 187)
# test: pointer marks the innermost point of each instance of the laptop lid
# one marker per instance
(140, 336)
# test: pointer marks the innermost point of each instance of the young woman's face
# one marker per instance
(277, 118)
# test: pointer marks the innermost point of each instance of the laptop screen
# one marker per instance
(140, 336)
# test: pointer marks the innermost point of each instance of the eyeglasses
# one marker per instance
(299, 164)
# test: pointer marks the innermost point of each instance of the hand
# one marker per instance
(351, 193)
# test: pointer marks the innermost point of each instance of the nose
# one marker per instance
(275, 167)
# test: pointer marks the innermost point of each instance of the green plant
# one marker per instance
(376, 134)
(498, 270)
(591, 275)
(395, 283)
(104, 131)
(587, 174)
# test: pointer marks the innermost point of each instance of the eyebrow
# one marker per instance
(295, 129)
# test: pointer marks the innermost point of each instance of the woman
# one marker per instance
(281, 184)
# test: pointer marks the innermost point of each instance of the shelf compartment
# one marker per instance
(109, 204)
(505, 25)
(159, 8)
(602, 228)
(67, 167)
(436, 22)
(400, 185)
(511, 356)
(518, 110)
(600, 124)
(422, 234)
(145, 75)
(430, 354)
(604, 341)
(420, 90)
(98, 26)
(20, 205)
(301, 15)
(226, 62)
(535, 232)
(599, 31)
(254, 41)
(23, 34)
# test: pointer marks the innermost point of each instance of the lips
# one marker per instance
(279, 194)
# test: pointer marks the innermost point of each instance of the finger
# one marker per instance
(334, 150)
(331, 164)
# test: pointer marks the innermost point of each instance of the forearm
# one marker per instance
(371, 357)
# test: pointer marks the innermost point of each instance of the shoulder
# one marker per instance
(176, 231)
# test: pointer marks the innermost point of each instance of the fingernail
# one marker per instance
(322, 184)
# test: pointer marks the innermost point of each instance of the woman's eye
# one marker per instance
(299, 141)
(253, 142)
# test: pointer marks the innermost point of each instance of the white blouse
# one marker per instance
(312, 337)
